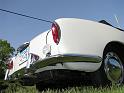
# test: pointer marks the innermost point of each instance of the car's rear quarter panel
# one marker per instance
(86, 37)
(83, 37)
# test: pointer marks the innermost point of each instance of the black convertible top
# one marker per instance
(105, 22)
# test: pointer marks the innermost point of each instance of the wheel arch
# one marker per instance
(114, 44)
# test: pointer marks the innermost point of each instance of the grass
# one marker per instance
(17, 88)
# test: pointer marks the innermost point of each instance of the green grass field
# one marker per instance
(17, 88)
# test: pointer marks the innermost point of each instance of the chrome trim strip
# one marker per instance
(62, 58)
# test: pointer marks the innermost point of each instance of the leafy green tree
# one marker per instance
(6, 51)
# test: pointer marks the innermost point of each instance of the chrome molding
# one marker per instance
(64, 58)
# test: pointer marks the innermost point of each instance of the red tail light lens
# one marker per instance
(56, 33)
(10, 65)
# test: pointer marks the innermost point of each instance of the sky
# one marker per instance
(17, 29)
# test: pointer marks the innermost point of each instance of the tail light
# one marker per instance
(56, 33)
(10, 65)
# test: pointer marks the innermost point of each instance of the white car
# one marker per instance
(75, 45)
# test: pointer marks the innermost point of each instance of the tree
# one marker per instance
(6, 51)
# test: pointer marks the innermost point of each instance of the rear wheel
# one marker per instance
(112, 68)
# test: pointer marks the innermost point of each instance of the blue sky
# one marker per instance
(17, 29)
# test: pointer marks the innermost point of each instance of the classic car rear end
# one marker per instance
(80, 45)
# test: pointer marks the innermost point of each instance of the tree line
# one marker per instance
(6, 51)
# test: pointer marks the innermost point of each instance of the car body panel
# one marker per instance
(86, 37)
(37, 44)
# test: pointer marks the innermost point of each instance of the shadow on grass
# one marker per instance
(52, 80)
(58, 86)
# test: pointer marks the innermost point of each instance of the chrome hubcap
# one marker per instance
(114, 68)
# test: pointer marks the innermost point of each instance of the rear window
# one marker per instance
(22, 47)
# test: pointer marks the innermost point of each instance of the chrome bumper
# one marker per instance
(54, 60)
(65, 58)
